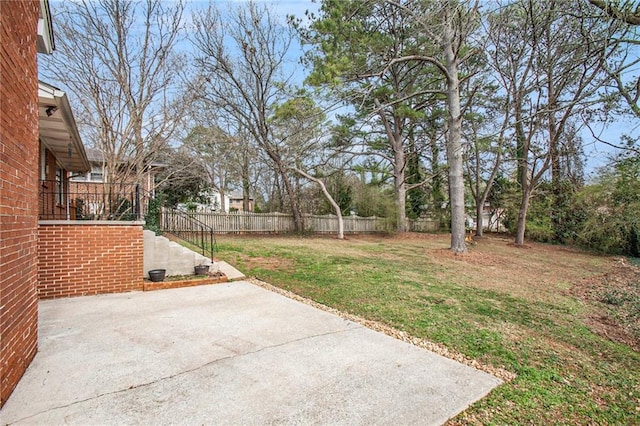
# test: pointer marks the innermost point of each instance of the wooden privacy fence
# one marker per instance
(242, 222)
(424, 225)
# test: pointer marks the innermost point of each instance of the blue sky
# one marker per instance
(597, 152)
(281, 8)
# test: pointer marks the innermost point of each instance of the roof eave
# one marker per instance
(75, 159)
(45, 42)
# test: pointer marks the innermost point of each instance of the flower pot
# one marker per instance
(157, 275)
(202, 269)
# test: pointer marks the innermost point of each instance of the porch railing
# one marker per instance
(68, 200)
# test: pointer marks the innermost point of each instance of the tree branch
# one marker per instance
(620, 13)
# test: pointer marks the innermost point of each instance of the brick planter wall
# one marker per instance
(79, 258)
(18, 191)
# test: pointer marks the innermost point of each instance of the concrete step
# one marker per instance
(161, 253)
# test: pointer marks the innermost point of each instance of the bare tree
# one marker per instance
(118, 58)
(485, 131)
(212, 150)
(300, 126)
(241, 60)
(623, 65)
(552, 72)
(329, 198)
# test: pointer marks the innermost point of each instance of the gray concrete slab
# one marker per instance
(228, 354)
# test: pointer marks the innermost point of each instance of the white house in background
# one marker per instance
(491, 220)
(213, 202)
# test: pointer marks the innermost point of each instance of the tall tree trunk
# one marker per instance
(400, 190)
(556, 178)
(478, 197)
(436, 181)
(277, 198)
(223, 202)
(522, 152)
(522, 144)
(522, 216)
(454, 145)
(480, 219)
(246, 187)
(394, 135)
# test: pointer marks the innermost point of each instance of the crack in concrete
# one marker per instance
(354, 326)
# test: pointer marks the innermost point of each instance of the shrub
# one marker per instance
(152, 219)
(540, 232)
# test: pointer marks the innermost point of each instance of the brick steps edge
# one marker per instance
(150, 286)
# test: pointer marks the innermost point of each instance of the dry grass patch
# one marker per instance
(269, 263)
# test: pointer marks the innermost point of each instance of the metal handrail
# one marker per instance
(189, 229)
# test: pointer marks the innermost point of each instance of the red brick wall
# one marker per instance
(78, 259)
(18, 190)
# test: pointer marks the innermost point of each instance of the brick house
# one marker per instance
(24, 30)
(98, 171)
(44, 253)
(80, 257)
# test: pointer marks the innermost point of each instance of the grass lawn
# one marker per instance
(564, 321)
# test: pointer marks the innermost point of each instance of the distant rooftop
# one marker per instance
(95, 155)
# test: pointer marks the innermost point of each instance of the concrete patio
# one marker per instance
(229, 353)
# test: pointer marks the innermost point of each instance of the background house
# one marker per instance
(236, 201)
(211, 201)
(97, 172)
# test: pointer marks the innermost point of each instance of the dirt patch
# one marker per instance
(616, 297)
(269, 263)
(540, 272)
(605, 326)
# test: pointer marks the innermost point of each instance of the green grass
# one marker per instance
(506, 307)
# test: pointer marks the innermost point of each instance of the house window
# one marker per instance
(79, 178)
(96, 174)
